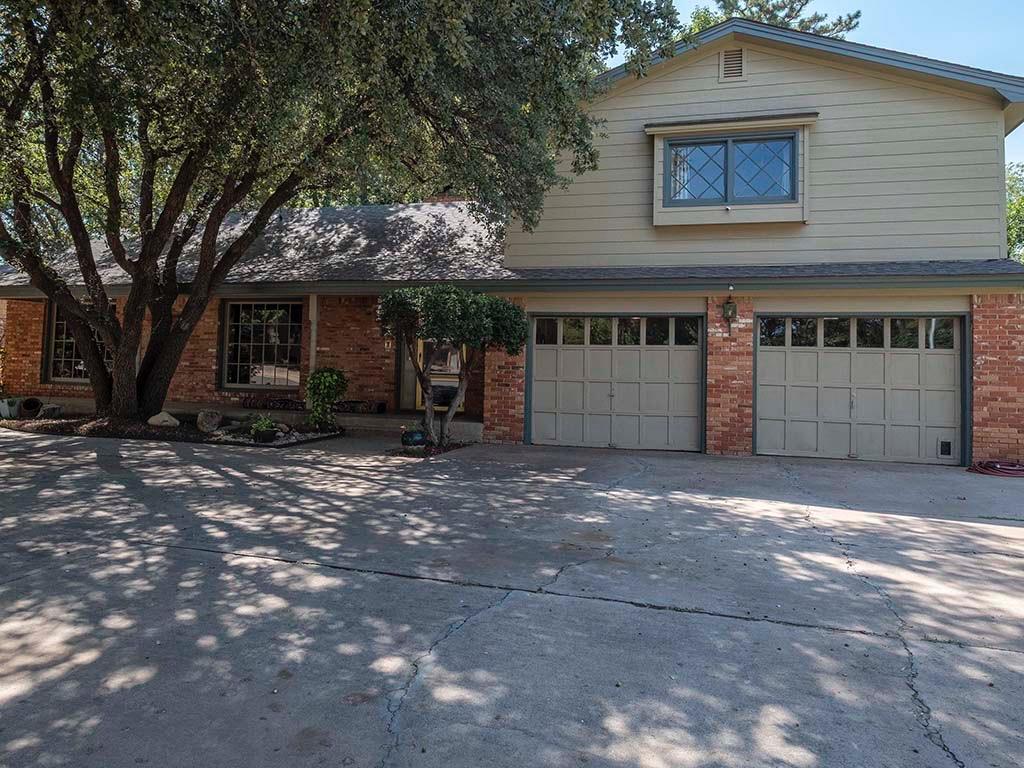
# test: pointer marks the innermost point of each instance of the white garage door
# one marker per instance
(619, 382)
(886, 389)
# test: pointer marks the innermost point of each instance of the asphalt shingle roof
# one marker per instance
(423, 242)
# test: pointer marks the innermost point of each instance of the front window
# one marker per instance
(747, 169)
(264, 343)
(65, 361)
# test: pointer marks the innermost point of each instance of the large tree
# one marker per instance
(791, 14)
(140, 128)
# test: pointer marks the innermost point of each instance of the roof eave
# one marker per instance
(1009, 87)
(518, 285)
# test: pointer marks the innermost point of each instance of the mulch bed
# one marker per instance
(186, 432)
(423, 451)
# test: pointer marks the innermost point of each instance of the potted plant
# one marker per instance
(263, 429)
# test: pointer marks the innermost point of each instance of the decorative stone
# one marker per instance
(208, 421)
(163, 419)
(282, 427)
(50, 411)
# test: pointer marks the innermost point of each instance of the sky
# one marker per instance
(982, 33)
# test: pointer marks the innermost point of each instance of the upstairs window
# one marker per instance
(730, 170)
(64, 361)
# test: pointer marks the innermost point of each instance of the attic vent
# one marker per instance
(733, 65)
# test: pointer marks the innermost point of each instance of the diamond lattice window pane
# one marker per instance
(698, 172)
(763, 169)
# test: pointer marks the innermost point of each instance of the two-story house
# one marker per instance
(794, 245)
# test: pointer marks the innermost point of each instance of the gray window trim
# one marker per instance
(730, 164)
(222, 378)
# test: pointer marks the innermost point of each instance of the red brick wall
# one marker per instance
(504, 396)
(349, 337)
(998, 418)
(198, 377)
(24, 340)
(730, 380)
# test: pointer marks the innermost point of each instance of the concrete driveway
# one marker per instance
(181, 605)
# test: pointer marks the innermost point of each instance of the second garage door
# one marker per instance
(882, 388)
(620, 382)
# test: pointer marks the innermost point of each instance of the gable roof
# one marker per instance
(1009, 87)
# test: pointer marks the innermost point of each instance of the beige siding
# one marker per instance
(897, 170)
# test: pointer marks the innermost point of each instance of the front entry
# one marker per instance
(617, 382)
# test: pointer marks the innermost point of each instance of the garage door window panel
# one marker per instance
(547, 331)
(837, 332)
(804, 332)
(657, 331)
(904, 333)
(870, 333)
(628, 331)
(573, 331)
(601, 331)
(939, 333)
(687, 332)
(773, 332)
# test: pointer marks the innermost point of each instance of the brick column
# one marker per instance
(998, 347)
(504, 396)
(730, 381)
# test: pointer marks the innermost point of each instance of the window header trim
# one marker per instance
(741, 122)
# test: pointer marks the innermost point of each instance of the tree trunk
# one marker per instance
(429, 425)
(155, 377)
(422, 371)
(95, 365)
(466, 365)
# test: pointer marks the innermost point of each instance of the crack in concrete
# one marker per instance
(541, 591)
(558, 574)
(397, 697)
(922, 711)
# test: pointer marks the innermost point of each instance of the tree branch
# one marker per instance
(147, 175)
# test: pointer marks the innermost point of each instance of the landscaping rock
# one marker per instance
(284, 428)
(50, 411)
(163, 419)
(208, 421)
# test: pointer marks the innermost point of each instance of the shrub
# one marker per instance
(262, 423)
(325, 387)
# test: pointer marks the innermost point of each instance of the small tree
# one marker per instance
(445, 315)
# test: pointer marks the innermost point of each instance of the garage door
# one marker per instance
(619, 382)
(876, 388)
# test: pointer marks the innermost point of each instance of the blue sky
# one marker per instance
(983, 33)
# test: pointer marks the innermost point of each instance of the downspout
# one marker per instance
(314, 316)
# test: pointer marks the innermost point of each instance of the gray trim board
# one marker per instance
(712, 122)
